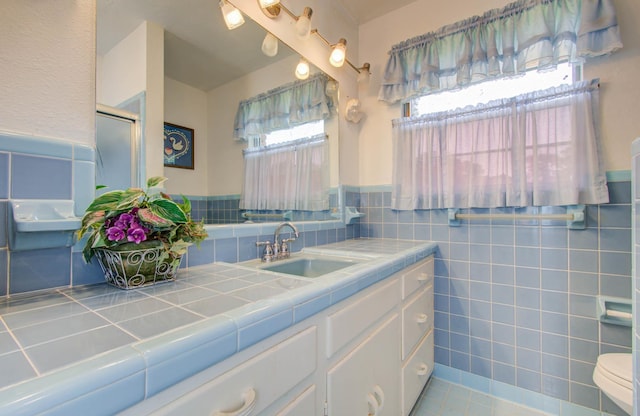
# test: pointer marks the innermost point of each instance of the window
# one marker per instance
(484, 92)
(538, 148)
(301, 132)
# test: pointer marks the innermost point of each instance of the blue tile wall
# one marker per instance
(225, 209)
(515, 301)
(41, 168)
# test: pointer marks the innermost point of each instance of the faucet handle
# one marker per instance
(267, 253)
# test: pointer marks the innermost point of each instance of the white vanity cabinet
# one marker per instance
(370, 354)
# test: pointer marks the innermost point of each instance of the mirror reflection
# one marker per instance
(208, 71)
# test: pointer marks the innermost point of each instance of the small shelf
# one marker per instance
(42, 223)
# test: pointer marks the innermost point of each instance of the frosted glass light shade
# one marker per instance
(270, 45)
(268, 3)
(232, 16)
(303, 24)
(302, 69)
(339, 53)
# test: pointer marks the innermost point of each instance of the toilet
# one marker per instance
(614, 375)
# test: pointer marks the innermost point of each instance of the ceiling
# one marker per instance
(199, 50)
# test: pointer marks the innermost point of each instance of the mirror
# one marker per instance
(208, 69)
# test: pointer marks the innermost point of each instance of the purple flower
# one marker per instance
(115, 234)
(136, 235)
(124, 220)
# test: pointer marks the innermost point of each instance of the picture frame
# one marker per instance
(178, 147)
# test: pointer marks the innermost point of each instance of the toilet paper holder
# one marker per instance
(616, 311)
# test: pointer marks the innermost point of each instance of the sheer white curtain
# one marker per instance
(538, 149)
(287, 177)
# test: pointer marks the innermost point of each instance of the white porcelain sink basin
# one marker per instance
(305, 265)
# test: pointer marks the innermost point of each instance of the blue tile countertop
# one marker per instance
(98, 350)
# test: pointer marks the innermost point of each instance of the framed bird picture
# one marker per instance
(178, 146)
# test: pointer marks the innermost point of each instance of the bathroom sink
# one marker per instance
(308, 266)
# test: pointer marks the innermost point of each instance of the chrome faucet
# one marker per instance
(279, 249)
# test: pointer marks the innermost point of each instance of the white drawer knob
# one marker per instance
(423, 369)
(423, 277)
(422, 318)
(377, 391)
(375, 401)
(249, 404)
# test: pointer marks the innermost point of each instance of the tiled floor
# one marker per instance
(442, 398)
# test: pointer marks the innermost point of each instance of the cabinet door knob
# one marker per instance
(379, 395)
(423, 369)
(373, 405)
(249, 404)
(421, 318)
(423, 277)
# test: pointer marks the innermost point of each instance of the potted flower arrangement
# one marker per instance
(137, 236)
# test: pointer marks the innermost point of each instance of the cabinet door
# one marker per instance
(304, 404)
(366, 381)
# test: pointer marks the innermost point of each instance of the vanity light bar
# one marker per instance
(273, 11)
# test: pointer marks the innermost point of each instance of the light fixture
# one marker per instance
(268, 3)
(270, 45)
(273, 8)
(302, 69)
(303, 23)
(232, 16)
(339, 53)
(364, 73)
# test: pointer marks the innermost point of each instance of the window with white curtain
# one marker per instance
(289, 176)
(537, 146)
(536, 149)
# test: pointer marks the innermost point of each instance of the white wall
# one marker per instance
(135, 65)
(187, 106)
(47, 69)
(618, 75)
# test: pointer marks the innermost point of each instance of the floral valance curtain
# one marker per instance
(537, 149)
(287, 176)
(284, 107)
(524, 35)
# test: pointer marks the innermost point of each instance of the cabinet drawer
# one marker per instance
(417, 319)
(416, 372)
(417, 276)
(256, 383)
(352, 320)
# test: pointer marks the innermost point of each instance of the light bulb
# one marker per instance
(302, 69)
(270, 45)
(268, 3)
(232, 16)
(303, 24)
(338, 54)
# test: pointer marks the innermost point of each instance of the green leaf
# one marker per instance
(179, 247)
(155, 181)
(151, 219)
(89, 220)
(168, 209)
(106, 202)
(129, 199)
(186, 204)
